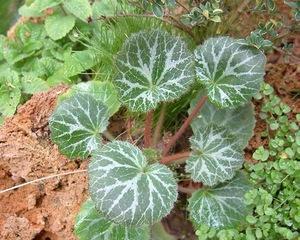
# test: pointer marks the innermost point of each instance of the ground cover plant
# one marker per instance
(138, 59)
(275, 199)
(130, 186)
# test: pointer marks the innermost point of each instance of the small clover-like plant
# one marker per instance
(131, 185)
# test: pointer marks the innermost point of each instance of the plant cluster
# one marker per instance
(275, 200)
(131, 187)
(126, 58)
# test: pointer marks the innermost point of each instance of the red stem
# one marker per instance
(148, 129)
(175, 157)
(185, 125)
(159, 125)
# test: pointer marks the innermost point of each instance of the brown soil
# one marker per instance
(42, 210)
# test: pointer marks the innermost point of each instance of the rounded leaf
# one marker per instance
(222, 206)
(230, 70)
(126, 189)
(215, 157)
(76, 125)
(58, 25)
(239, 121)
(80, 8)
(90, 224)
(104, 92)
(153, 67)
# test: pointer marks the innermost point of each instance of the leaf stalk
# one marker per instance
(185, 125)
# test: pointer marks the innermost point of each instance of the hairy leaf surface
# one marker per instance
(58, 25)
(92, 225)
(10, 89)
(128, 190)
(222, 206)
(78, 62)
(36, 7)
(80, 8)
(76, 125)
(230, 70)
(215, 157)
(32, 84)
(153, 67)
(104, 92)
(239, 121)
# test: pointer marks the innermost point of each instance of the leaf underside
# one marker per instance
(230, 70)
(92, 225)
(153, 67)
(126, 189)
(222, 206)
(76, 125)
(239, 121)
(215, 156)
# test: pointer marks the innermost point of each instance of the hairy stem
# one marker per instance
(181, 5)
(159, 125)
(185, 190)
(185, 125)
(42, 179)
(108, 135)
(148, 129)
(175, 157)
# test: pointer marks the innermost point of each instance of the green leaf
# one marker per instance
(128, 190)
(102, 8)
(240, 121)
(2, 42)
(29, 11)
(90, 224)
(80, 8)
(261, 154)
(76, 125)
(58, 25)
(42, 5)
(215, 157)
(35, 9)
(230, 70)
(32, 84)
(222, 206)
(78, 62)
(10, 92)
(104, 92)
(153, 67)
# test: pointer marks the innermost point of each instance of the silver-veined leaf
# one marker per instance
(104, 92)
(128, 190)
(58, 25)
(239, 121)
(153, 67)
(76, 125)
(215, 157)
(230, 70)
(222, 206)
(92, 225)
